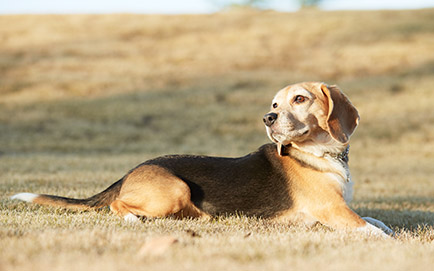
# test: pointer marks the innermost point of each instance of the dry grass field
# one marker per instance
(84, 98)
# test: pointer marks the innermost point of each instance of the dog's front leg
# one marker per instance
(342, 217)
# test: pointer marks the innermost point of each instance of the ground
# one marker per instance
(84, 98)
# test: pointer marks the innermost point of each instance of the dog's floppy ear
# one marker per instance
(342, 118)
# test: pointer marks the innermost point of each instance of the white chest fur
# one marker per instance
(342, 176)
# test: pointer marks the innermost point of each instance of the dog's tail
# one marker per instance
(99, 200)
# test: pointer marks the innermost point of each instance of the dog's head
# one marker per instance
(312, 116)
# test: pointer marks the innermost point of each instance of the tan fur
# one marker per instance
(301, 180)
(318, 195)
(152, 191)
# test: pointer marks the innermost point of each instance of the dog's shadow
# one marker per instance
(400, 213)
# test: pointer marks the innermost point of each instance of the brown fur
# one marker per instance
(304, 183)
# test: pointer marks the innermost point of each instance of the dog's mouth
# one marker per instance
(288, 137)
(285, 139)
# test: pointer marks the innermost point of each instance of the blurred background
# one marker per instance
(97, 80)
(197, 6)
(90, 88)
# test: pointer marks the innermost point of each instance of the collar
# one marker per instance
(342, 156)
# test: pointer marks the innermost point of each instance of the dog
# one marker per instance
(302, 177)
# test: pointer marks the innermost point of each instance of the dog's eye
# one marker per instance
(299, 99)
(275, 105)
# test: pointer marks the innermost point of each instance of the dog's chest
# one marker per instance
(313, 184)
(342, 177)
(344, 184)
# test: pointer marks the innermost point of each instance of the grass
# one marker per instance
(84, 98)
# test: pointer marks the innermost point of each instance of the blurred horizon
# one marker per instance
(192, 6)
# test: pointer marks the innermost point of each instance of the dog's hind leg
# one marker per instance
(152, 191)
(190, 210)
(123, 210)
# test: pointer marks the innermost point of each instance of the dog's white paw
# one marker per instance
(130, 218)
(379, 224)
(371, 230)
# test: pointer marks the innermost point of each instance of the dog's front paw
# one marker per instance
(379, 224)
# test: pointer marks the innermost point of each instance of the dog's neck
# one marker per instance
(342, 156)
(332, 163)
(328, 161)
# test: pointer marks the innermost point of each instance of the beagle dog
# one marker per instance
(302, 177)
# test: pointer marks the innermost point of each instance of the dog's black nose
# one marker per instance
(269, 119)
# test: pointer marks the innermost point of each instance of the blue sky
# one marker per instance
(186, 6)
